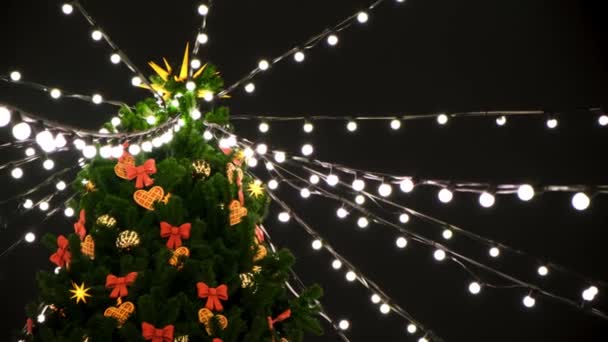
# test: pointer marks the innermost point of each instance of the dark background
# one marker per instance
(423, 56)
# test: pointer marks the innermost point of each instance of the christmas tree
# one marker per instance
(169, 245)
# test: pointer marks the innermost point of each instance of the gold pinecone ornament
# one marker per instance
(127, 239)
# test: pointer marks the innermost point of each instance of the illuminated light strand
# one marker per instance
(309, 44)
(202, 28)
(40, 185)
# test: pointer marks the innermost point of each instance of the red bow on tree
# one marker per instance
(63, 256)
(79, 227)
(283, 316)
(217, 340)
(29, 323)
(175, 234)
(119, 284)
(213, 295)
(149, 332)
(142, 173)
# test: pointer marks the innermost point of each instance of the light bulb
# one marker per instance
(284, 216)
(28, 204)
(588, 295)
(22, 131)
(67, 9)
(445, 195)
(96, 35)
(385, 190)
(5, 116)
(89, 151)
(447, 234)
(376, 299)
(202, 38)
(422, 339)
(46, 141)
(248, 152)
(362, 222)
(317, 244)
(195, 114)
(269, 166)
(68, 212)
(30, 237)
(351, 126)
(79, 143)
(174, 103)
(115, 58)
(307, 149)
(30, 151)
(385, 308)
(486, 199)
(401, 242)
(48, 164)
(411, 328)
(57, 270)
(157, 142)
(603, 120)
(252, 162)
(261, 149)
(97, 99)
(273, 184)
(231, 141)
(332, 40)
(44, 205)
(60, 141)
(332, 180)
(395, 124)
(15, 76)
(580, 201)
(343, 324)
(151, 119)
(358, 185)
(494, 252)
(305, 193)
(439, 255)
(195, 63)
(501, 120)
(362, 17)
(55, 93)
(263, 127)
(263, 65)
(279, 157)
(203, 9)
(529, 301)
(314, 179)
(207, 135)
(593, 290)
(134, 149)
(250, 87)
(104, 131)
(336, 264)
(351, 276)
(41, 318)
(474, 288)
(17, 173)
(525, 192)
(190, 85)
(406, 185)
(299, 56)
(404, 218)
(552, 123)
(442, 119)
(359, 199)
(542, 270)
(308, 127)
(136, 81)
(341, 213)
(117, 151)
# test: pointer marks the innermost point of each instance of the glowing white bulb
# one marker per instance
(351, 276)
(231, 141)
(5, 116)
(385, 190)
(404, 218)
(67, 9)
(552, 123)
(445, 195)
(474, 288)
(529, 301)
(376, 299)
(55, 93)
(299, 56)
(411, 328)
(15, 76)
(195, 63)
(41, 318)
(362, 17)
(263, 127)
(351, 126)
(385, 308)
(46, 141)
(284, 216)
(28, 204)
(190, 85)
(525, 192)
(332, 40)
(57, 270)
(447, 234)
(157, 142)
(317, 244)
(307, 149)
(79, 143)
(395, 124)
(341, 213)
(44, 205)
(332, 180)
(273, 184)
(358, 185)
(494, 252)
(48, 164)
(543, 271)
(17, 173)
(203, 9)
(97, 99)
(486, 199)
(195, 114)
(202, 38)
(336, 264)
(68, 212)
(250, 87)
(588, 295)
(501, 120)
(343, 324)
(89, 151)
(362, 222)
(439, 255)
(174, 103)
(134, 149)
(22, 131)
(115, 58)
(359, 199)
(279, 157)
(406, 185)
(207, 135)
(248, 152)
(261, 149)
(593, 290)
(442, 119)
(151, 119)
(117, 151)
(314, 179)
(252, 162)
(30, 237)
(136, 81)
(603, 120)
(263, 65)
(96, 35)
(308, 127)
(305, 193)
(580, 201)
(105, 152)
(30, 151)
(401, 242)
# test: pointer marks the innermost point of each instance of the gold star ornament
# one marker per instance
(255, 189)
(80, 293)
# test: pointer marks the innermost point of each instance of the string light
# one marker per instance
(22, 131)
(360, 199)
(501, 120)
(30, 237)
(445, 195)
(279, 157)
(336, 264)
(46, 141)
(203, 9)
(308, 127)
(97, 99)
(68, 212)
(552, 123)
(134, 149)
(263, 127)
(307, 149)
(332, 40)
(263, 65)
(376, 299)
(202, 38)
(284, 216)
(299, 56)
(55, 93)
(343, 324)
(250, 87)
(341, 213)
(48, 164)
(41, 318)
(28, 204)
(406, 185)
(442, 119)
(67, 9)
(474, 288)
(261, 149)
(96, 35)
(423, 339)
(395, 124)
(57, 270)
(252, 162)
(529, 301)
(351, 276)
(401, 242)
(273, 184)
(89, 151)
(385, 190)
(603, 120)
(305, 193)
(17, 173)
(486, 199)
(195, 114)
(362, 17)
(30, 151)
(115, 58)
(411, 328)
(494, 252)
(439, 255)
(207, 135)
(358, 185)
(580, 201)
(404, 218)
(269, 166)
(5, 116)
(351, 126)
(543, 271)
(151, 119)
(385, 309)
(314, 179)
(525, 192)
(447, 234)
(44, 205)
(15, 76)
(362, 222)
(317, 244)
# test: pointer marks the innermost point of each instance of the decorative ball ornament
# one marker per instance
(120, 313)
(106, 221)
(127, 239)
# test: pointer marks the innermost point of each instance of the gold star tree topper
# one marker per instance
(80, 292)
(255, 189)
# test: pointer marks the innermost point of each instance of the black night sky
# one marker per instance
(417, 57)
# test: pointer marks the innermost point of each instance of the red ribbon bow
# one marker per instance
(142, 173)
(175, 234)
(63, 256)
(79, 227)
(29, 323)
(283, 316)
(217, 340)
(119, 284)
(150, 332)
(213, 295)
